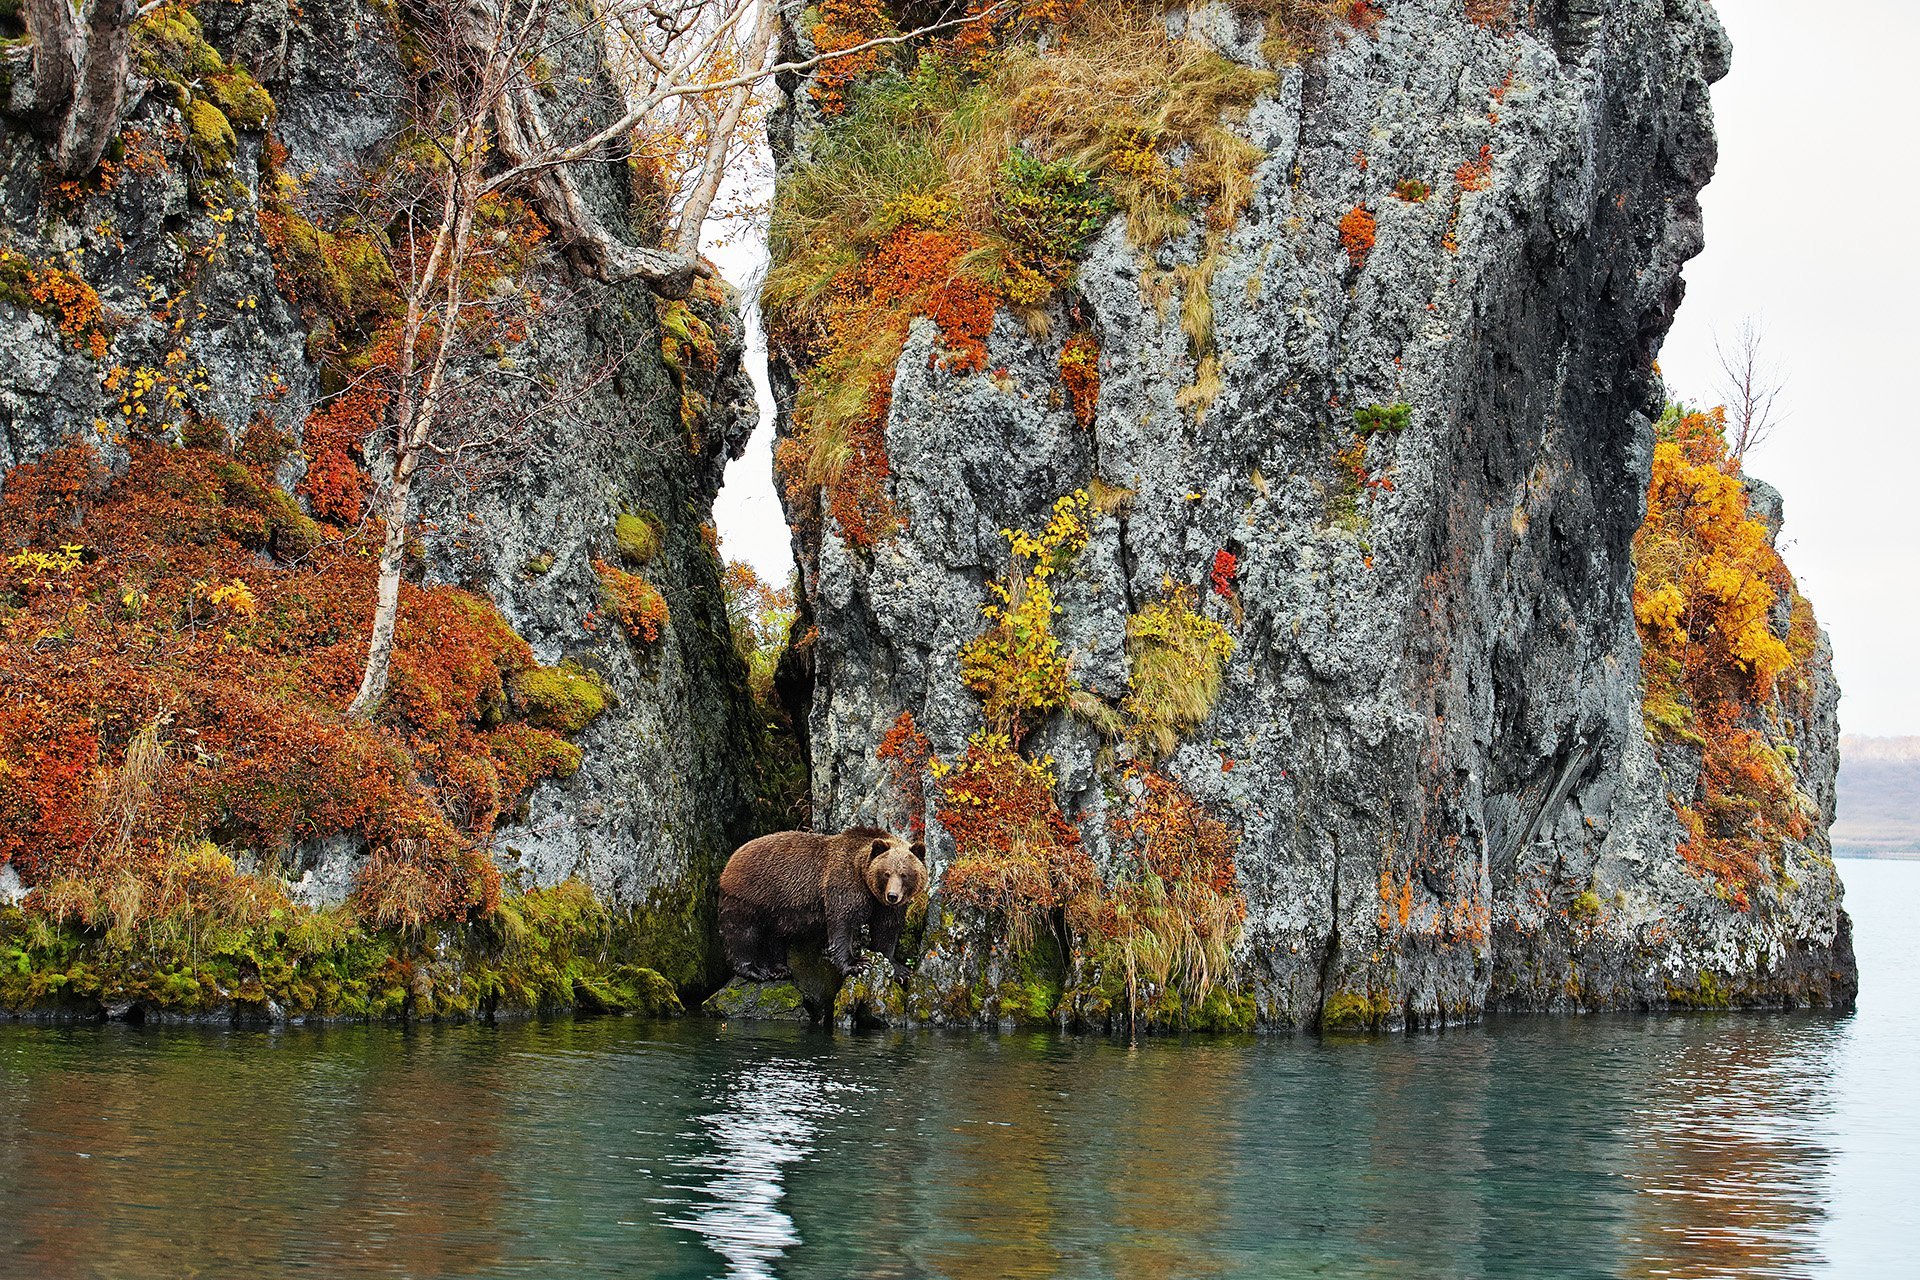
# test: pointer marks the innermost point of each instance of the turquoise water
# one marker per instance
(1687, 1146)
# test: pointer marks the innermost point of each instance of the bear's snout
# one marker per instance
(893, 894)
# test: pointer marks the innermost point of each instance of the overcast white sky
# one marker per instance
(1813, 226)
(1813, 229)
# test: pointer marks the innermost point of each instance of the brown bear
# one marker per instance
(799, 887)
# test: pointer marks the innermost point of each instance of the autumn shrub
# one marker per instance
(1715, 653)
(1080, 375)
(907, 753)
(1172, 911)
(62, 296)
(165, 689)
(637, 603)
(1016, 857)
(1015, 665)
(1476, 174)
(1356, 235)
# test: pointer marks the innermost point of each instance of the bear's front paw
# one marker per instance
(901, 974)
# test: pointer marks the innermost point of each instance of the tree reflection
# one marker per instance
(1725, 1149)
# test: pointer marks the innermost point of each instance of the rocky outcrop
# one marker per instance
(194, 315)
(1430, 736)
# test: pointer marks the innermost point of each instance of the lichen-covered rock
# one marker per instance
(1430, 733)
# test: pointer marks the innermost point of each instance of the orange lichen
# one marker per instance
(1356, 235)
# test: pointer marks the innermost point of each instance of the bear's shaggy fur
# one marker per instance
(799, 887)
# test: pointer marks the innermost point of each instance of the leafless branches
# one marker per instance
(1751, 389)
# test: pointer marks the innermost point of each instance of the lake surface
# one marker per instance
(1709, 1145)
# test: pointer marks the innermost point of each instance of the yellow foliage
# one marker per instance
(1016, 665)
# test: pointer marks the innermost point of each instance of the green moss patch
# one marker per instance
(546, 950)
(565, 699)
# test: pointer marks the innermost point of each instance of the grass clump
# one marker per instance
(1176, 658)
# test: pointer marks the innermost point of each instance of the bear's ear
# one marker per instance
(919, 848)
(879, 847)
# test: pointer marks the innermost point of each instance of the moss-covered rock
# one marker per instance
(757, 1001)
(211, 134)
(565, 699)
(639, 536)
(544, 951)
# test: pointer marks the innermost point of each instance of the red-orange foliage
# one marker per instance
(915, 272)
(1080, 375)
(1169, 835)
(1015, 854)
(61, 296)
(1226, 566)
(1365, 14)
(1718, 676)
(1356, 235)
(845, 24)
(335, 485)
(1476, 174)
(638, 604)
(908, 753)
(1490, 13)
(171, 620)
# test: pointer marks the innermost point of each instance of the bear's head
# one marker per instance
(895, 870)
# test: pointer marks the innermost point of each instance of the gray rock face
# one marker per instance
(660, 798)
(1430, 736)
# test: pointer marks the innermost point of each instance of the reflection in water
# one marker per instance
(1605, 1147)
(1735, 1181)
(768, 1120)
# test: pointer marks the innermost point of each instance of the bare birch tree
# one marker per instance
(1751, 389)
(495, 137)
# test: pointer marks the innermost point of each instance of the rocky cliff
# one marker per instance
(204, 286)
(1335, 325)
